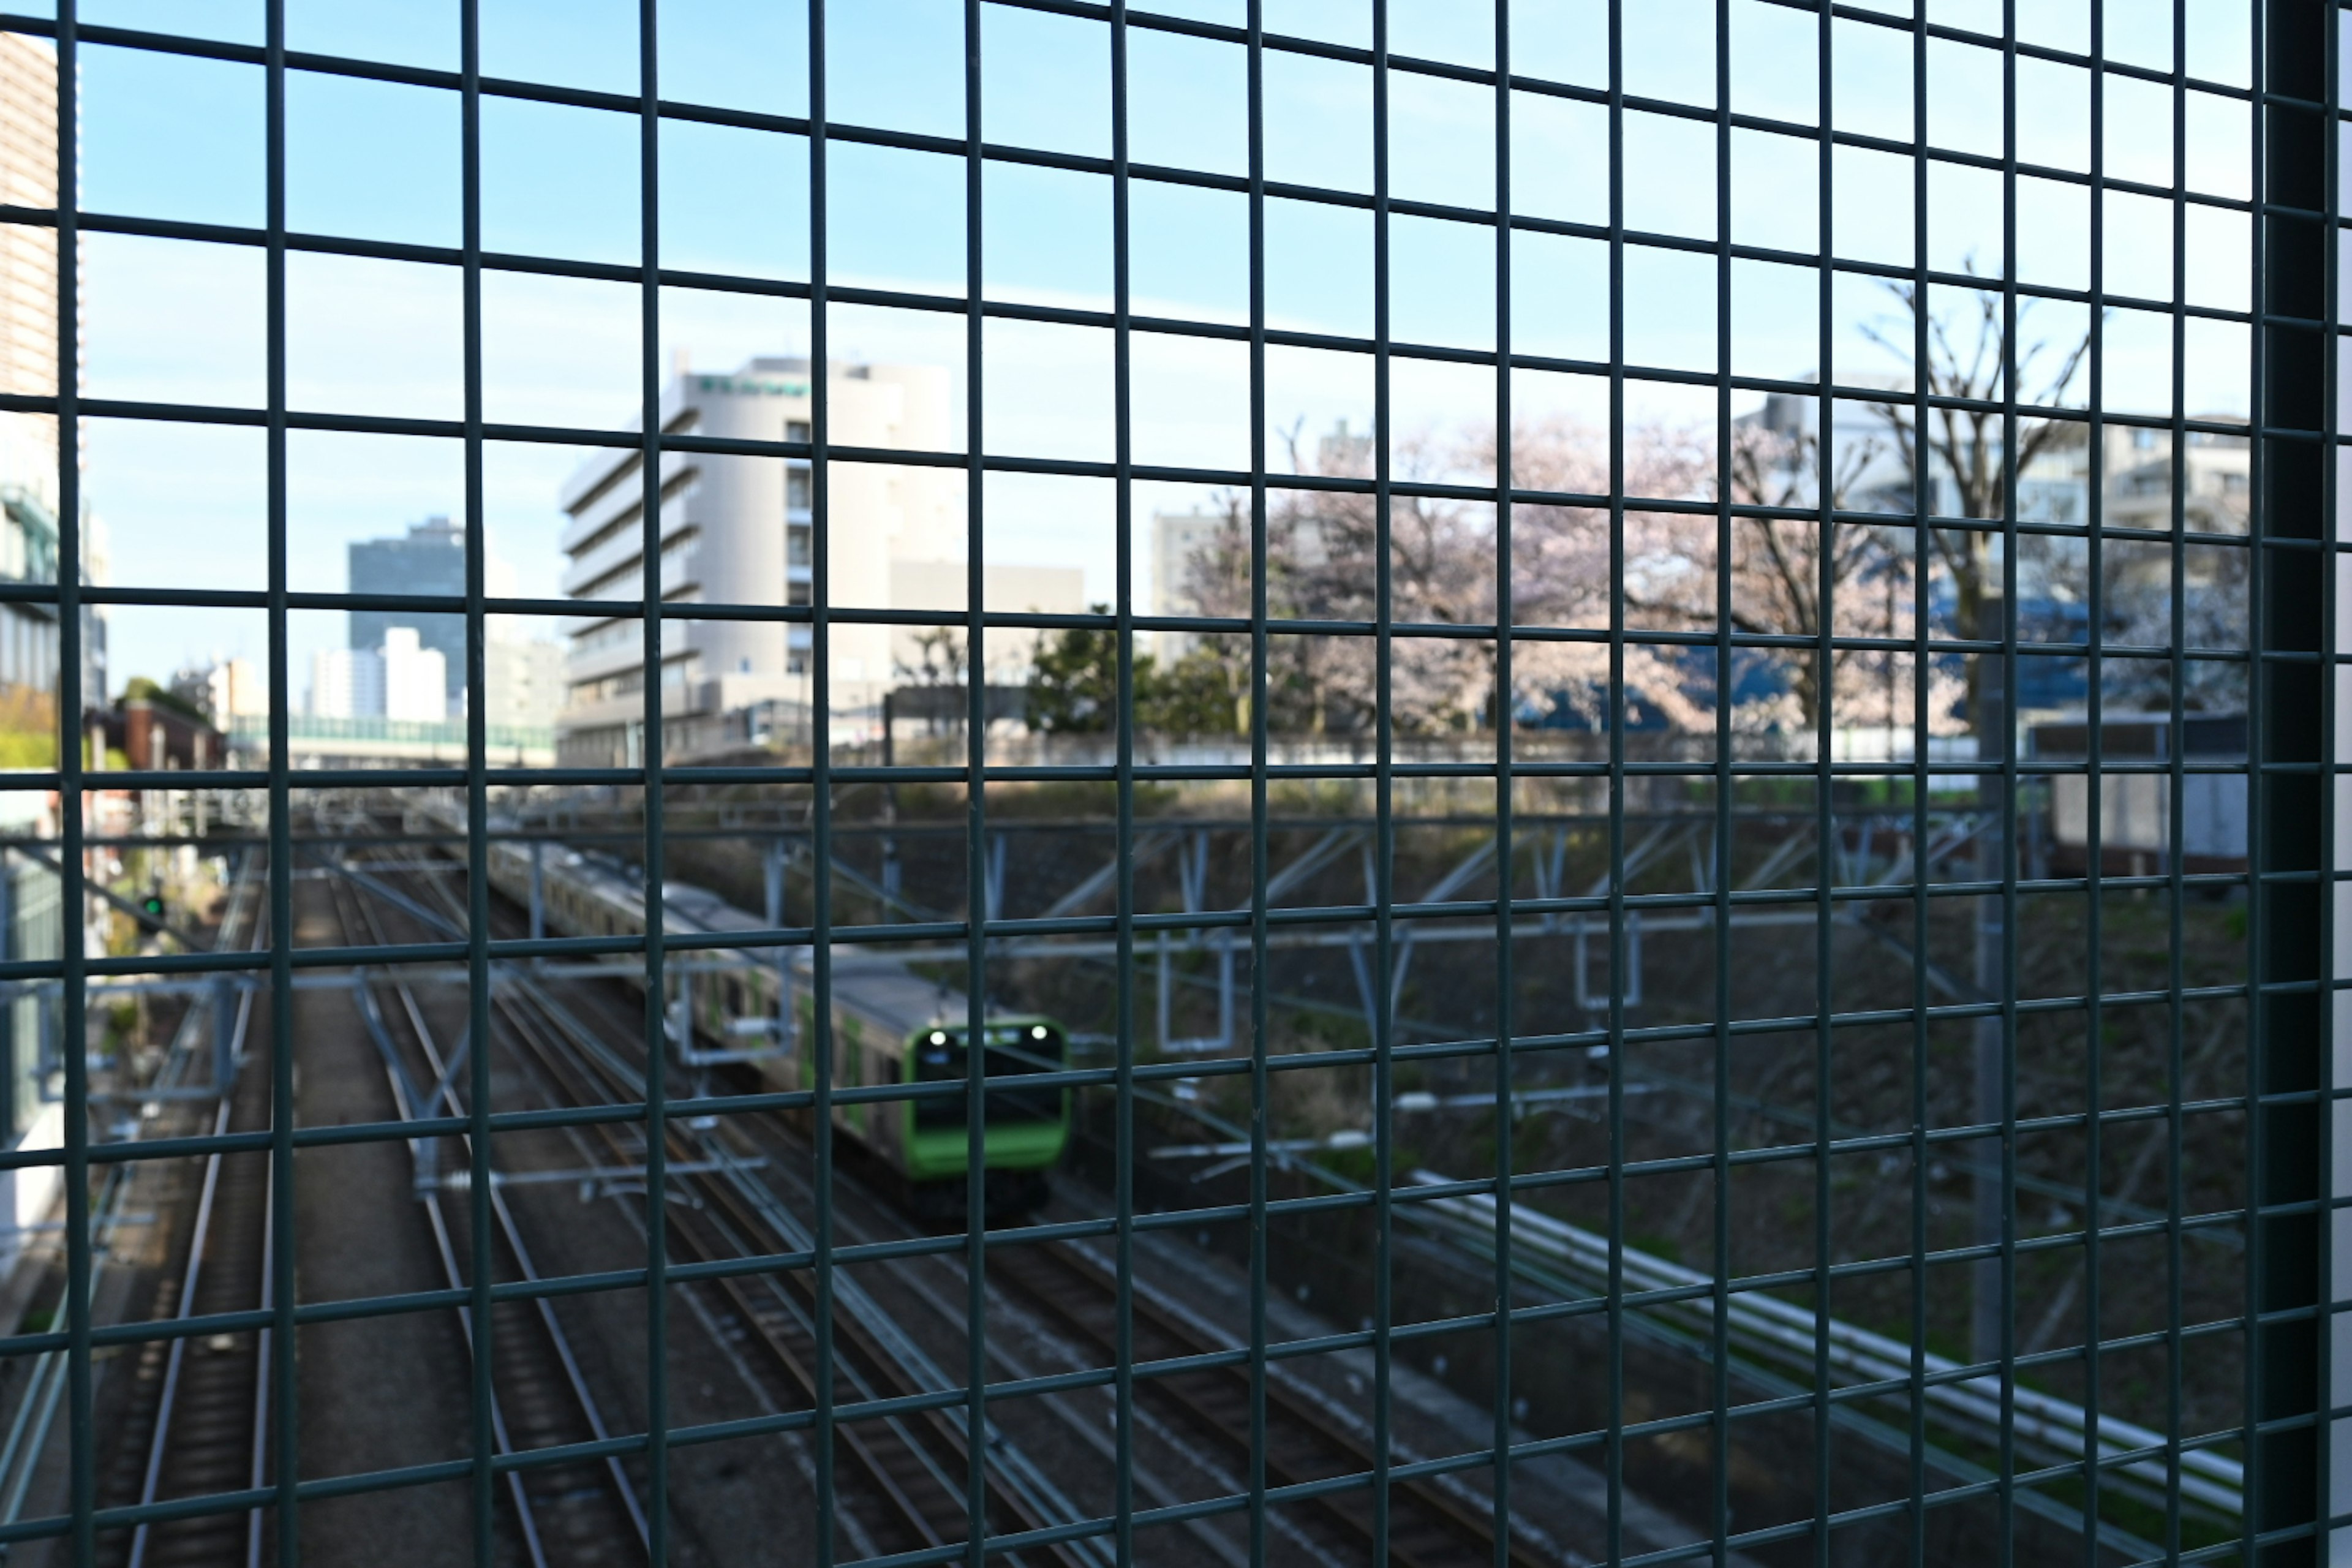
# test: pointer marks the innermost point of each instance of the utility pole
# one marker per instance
(1992, 727)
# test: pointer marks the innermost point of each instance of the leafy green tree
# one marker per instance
(140, 689)
(1074, 680)
(1205, 693)
(29, 729)
(1074, 687)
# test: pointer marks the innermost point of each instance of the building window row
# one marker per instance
(679, 486)
(678, 555)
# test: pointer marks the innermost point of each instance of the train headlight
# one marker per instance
(1036, 1031)
(939, 1038)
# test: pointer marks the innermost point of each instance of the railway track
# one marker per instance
(912, 1469)
(1203, 1415)
(208, 1420)
(1430, 1525)
(198, 1420)
(585, 1513)
(918, 1463)
(1202, 1418)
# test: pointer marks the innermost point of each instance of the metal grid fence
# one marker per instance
(2279, 1442)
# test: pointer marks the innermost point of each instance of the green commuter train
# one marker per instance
(890, 1026)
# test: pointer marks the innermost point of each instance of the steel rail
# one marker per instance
(161, 1443)
(575, 1078)
(1770, 1326)
(594, 1073)
(869, 1364)
(509, 1235)
(1302, 1442)
(166, 1444)
(883, 1361)
(28, 1428)
(883, 1222)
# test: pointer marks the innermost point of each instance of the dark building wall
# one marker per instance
(156, 737)
(430, 559)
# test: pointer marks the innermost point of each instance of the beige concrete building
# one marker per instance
(737, 531)
(523, 678)
(239, 688)
(2217, 471)
(941, 585)
(1178, 539)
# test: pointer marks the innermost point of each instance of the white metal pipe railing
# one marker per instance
(1783, 1332)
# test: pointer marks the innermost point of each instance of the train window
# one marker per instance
(946, 1061)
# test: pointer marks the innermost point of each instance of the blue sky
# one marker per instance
(182, 139)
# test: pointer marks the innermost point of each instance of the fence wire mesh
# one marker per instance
(1713, 937)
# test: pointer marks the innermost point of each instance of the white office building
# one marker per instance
(416, 679)
(402, 681)
(737, 531)
(346, 683)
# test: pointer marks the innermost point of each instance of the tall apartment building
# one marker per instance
(32, 911)
(737, 531)
(28, 265)
(30, 348)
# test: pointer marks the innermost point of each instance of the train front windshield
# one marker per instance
(1013, 1051)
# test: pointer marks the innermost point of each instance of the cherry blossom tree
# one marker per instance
(1322, 558)
(1323, 551)
(1960, 439)
(1790, 575)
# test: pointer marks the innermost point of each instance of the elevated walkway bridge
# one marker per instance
(318, 743)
